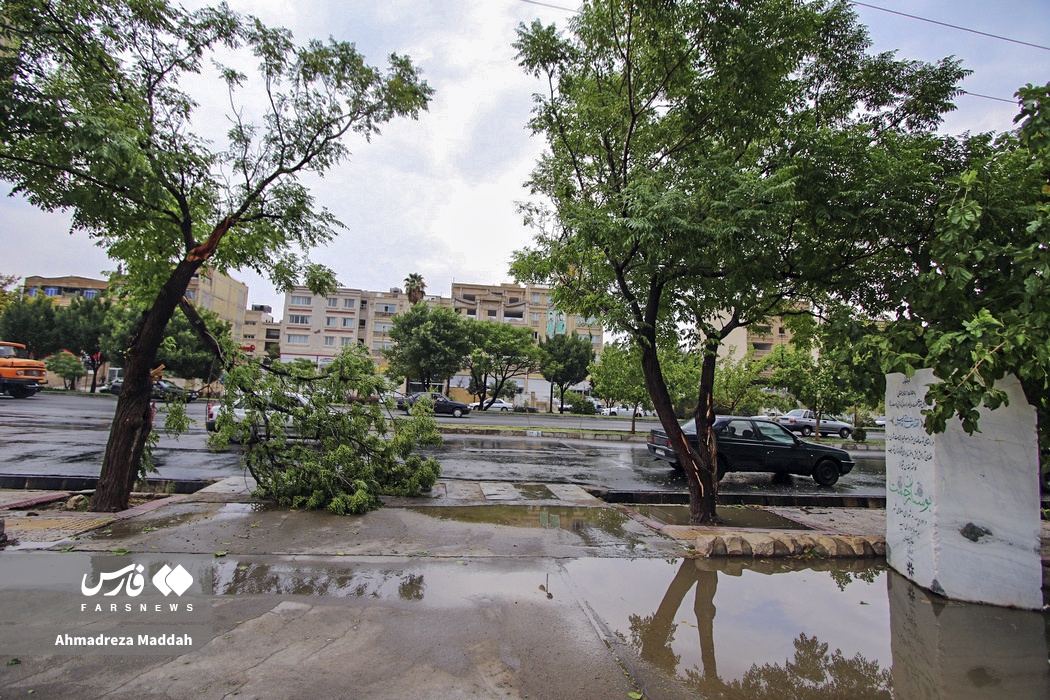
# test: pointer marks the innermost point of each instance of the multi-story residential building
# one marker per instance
(526, 306)
(318, 327)
(222, 295)
(763, 337)
(253, 332)
(62, 290)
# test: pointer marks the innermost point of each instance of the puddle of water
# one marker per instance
(595, 526)
(535, 492)
(830, 629)
(741, 517)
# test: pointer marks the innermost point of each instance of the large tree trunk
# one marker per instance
(133, 419)
(698, 465)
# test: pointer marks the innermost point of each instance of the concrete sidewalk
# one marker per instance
(478, 591)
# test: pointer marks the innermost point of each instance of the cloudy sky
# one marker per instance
(438, 196)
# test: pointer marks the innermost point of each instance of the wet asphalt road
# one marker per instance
(65, 435)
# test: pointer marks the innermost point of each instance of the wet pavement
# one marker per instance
(495, 590)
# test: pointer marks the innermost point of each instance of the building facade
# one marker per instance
(62, 290)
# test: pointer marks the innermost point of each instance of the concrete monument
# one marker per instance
(962, 511)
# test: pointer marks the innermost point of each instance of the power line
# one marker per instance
(989, 97)
(553, 7)
(951, 26)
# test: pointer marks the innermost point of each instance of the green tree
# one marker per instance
(32, 323)
(564, 361)
(713, 164)
(820, 383)
(349, 461)
(415, 287)
(429, 345)
(978, 306)
(500, 351)
(96, 120)
(82, 328)
(616, 375)
(67, 366)
(182, 352)
(7, 295)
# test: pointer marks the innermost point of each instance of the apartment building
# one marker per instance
(258, 322)
(523, 305)
(317, 328)
(222, 295)
(62, 290)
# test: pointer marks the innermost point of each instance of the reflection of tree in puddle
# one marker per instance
(813, 673)
(252, 578)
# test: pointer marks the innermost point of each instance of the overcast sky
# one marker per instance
(438, 196)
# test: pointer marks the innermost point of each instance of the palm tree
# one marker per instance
(414, 287)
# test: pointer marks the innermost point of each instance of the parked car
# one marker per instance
(239, 413)
(804, 421)
(493, 405)
(442, 404)
(758, 445)
(880, 421)
(167, 390)
(621, 410)
(162, 389)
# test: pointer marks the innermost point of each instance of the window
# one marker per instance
(472, 313)
(332, 302)
(349, 323)
(298, 300)
(349, 303)
(249, 336)
(515, 315)
(298, 339)
(364, 304)
(535, 298)
(33, 291)
(470, 297)
(491, 313)
(191, 293)
(346, 341)
(388, 308)
(362, 323)
(534, 319)
(249, 323)
(383, 327)
(329, 340)
(382, 345)
(273, 333)
(90, 293)
(331, 321)
(298, 320)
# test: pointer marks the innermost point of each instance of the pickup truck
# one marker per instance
(804, 421)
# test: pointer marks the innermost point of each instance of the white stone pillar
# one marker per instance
(962, 511)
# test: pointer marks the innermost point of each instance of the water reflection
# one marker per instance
(309, 579)
(828, 629)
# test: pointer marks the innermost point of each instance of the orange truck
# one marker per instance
(20, 376)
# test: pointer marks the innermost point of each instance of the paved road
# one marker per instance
(59, 434)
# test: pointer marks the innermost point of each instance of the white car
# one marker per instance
(493, 405)
(621, 410)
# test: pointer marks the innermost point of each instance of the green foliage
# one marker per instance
(616, 375)
(979, 306)
(32, 323)
(429, 344)
(708, 168)
(820, 383)
(67, 366)
(579, 403)
(182, 352)
(7, 295)
(500, 351)
(415, 287)
(564, 361)
(82, 328)
(315, 440)
(96, 119)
